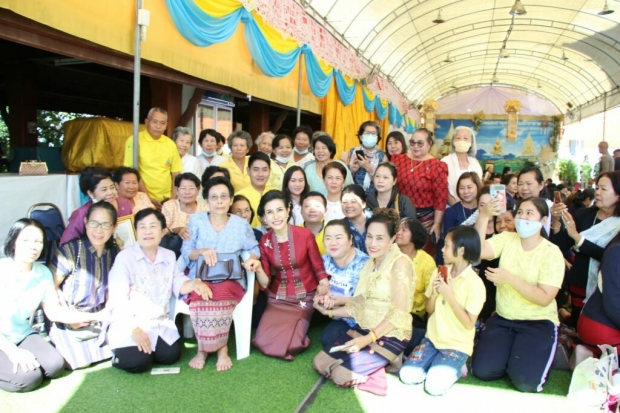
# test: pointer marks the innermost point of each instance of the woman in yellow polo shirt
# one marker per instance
(519, 340)
(453, 304)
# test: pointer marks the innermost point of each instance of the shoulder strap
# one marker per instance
(396, 206)
(69, 298)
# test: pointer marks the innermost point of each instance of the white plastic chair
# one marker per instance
(242, 316)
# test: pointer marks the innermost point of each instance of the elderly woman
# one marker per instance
(283, 151)
(141, 283)
(263, 143)
(182, 137)
(239, 143)
(208, 141)
(301, 148)
(364, 159)
(395, 144)
(424, 180)
(291, 267)
(213, 233)
(80, 271)
(98, 185)
(26, 358)
(324, 151)
(462, 158)
(380, 308)
(178, 211)
(127, 182)
(587, 233)
(343, 263)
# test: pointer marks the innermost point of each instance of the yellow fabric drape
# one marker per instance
(342, 122)
(219, 8)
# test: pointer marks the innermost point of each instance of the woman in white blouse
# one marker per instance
(182, 136)
(462, 158)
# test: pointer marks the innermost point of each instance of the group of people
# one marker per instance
(405, 255)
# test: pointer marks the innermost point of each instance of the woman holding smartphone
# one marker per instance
(364, 159)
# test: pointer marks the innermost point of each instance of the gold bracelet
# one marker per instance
(373, 336)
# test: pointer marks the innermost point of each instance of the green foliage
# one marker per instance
(568, 170)
(49, 127)
(586, 171)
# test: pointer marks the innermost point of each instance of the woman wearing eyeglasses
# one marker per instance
(364, 159)
(97, 184)
(424, 179)
(80, 271)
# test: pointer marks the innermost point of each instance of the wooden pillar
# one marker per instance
(167, 95)
(259, 120)
(22, 90)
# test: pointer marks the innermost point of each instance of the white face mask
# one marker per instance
(209, 155)
(298, 152)
(283, 160)
(369, 141)
(526, 228)
(462, 146)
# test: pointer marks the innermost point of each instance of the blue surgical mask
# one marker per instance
(526, 228)
(369, 141)
(209, 155)
(305, 151)
(283, 160)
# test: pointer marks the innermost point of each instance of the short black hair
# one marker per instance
(259, 156)
(121, 171)
(468, 238)
(272, 196)
(109, 208)
(343, 224)
(314, 194)
(356, 190)
(212, 170)
(335, 165)
(327, 141)
(218, 180)
(398, 136)
(507, 178)
(90, 178)
(143, 213)
(203, 133)
(419, 235)
(363, 126)
(16, 229)
(302, 129)
(238, 198)
(186, 176)
(391, 167)
(280, 137)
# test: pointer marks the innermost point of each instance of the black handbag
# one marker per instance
(228, 267)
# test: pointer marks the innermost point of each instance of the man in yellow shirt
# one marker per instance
(158, 158)
(259, 170)
(313, 207)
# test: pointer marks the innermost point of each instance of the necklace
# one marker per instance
(416, 167)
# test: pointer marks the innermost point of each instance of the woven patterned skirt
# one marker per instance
(212, 319)
(79, 354)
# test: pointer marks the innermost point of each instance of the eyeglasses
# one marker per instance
(419, 144)
(95, 224)
(367, 132)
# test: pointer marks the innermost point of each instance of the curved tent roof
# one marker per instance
(562, 50)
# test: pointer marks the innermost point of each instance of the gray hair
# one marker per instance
(156, 109)
(180, 131)
(472, 151)
(262, 135)
(240, 134)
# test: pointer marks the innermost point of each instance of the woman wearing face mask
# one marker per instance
(295, 188)
(531, 183)
(208, 141)
(324, 151)
(283, 151)
(588, 233)
(97, 184)
(364, 159)
(462, 158)
(386, 193)
(301, 139)
(520, 339)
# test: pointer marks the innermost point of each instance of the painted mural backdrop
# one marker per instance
(530, 146)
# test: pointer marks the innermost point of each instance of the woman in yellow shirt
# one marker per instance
(520, 339)
(380, 307)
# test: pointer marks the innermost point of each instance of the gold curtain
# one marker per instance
(342, 122)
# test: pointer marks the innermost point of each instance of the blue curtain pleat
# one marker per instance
(381, 111)
(317, 79)
(346, 93)
(369, 104)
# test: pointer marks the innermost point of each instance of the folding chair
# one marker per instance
(50, 217)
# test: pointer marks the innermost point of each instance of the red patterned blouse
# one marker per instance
(424, 182)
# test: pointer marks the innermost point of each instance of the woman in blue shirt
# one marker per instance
(353, 201)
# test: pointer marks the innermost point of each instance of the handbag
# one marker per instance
(29, 168)
(228, 267)
(595, 382)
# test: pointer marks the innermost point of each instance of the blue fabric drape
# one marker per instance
(381, 111)
(369, 104)
(198, 27)
(319, 81)
(346, 93)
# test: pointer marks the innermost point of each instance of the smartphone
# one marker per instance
(360, 154)
(338, 348)
(433, 238)
(557, 197)
(499, 192)
(443, 272)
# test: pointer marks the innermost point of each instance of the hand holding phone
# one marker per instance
(557, 197)
(360, 154)
(499, 192)
(443, 272)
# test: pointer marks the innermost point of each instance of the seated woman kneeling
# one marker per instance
(211, 234)
(80, 270)
(384, 296)
(25, 357)
(141, 282)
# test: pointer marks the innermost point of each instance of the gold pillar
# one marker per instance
(512, 107)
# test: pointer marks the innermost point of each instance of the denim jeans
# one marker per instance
(439, 369)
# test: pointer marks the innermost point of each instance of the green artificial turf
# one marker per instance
(256, 384)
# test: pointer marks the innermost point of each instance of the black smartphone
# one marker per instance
(433, 238)
(360, 154)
